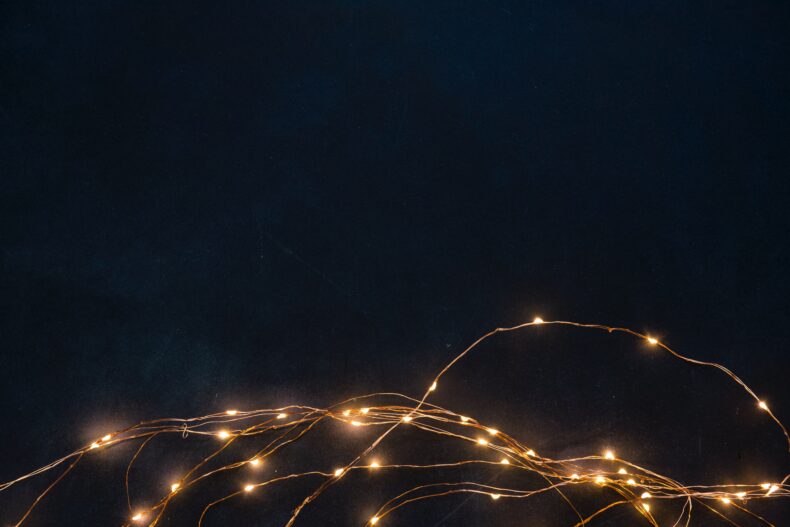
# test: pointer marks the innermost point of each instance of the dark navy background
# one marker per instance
(267, 203)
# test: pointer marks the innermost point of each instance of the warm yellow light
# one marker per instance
(255, 462)
(765, 486)
(493, 431)
(574, 476)
(248, 488)
(537, 320)
(631, 481)
(741, 494)
(762, 405)
(407, 419)
(107, 437)
(138, 517)
(374, 520)
(495, 496)
(365, 410)
(223, 434)
(505, 461)
(433, 387)
(772, 489)
(646, 495)
(600, 480)
(622, 471)
(608, 454)
(94, 445)
(346, 413)
(481, 441)
(174, 487)
(464, 419)
(356, 423)
(282, 415)
(374, 464)
(725, 501)
(646, 507)
(338, 472)
(531, 453)
(652, 340)
(231, 412)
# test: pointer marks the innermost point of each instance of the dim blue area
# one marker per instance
(262, 203)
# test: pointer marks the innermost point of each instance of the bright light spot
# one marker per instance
(255, 461)
(771, 490)
(94, 445)
(531, 453)
(174, 487)
(346, 413)
(646, 495)
(374, 464)
(107, 437)
(537, 320)
(725, 501)
(600, 480)
(505, 461)
(338, 472)
(374, 520)
(407, 419)
(356, 423)
(652, 340)
(464, 419)
(249, 488)
(282, 415)
(631, 481)
(574, 476)
(622, 471)
(433, 387)
(493, 431)
(481, 441)
(365, 410)
(140, 516)
(223, 434)
(762, 405)
(765, 486)
(608, 454)
(646, 507)
(495, 496)
(741, 494)
(231, 412)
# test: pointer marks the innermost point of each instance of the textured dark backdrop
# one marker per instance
(264, 203)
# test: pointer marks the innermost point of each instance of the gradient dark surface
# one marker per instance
(271, 203)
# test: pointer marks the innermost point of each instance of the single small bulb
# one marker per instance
(433, 387)
(374, 520)
(741, 494)
(600, 480)
(622, 471)
(646, 507)
(407, 419)
(652, 340)
(365, 410)
(493, 431)
(223, 434)
(174, 487)
(481, 441)
(725, 501)
(255, 461)
(94, 445)
(495, 496)
(608, 454)
(765, 486)
(282, 415)
(574, 476)
(231, 412)
(464, 419)
(346, 413)
(646, 495)
(531, 453)
(374, 464)
(631, 481)
(356, 423)
(107, 437)
(762, 405)
(772, 489)
(505, 461)
(249, 488)
(138, 517)
(338, 472)
(537, 320)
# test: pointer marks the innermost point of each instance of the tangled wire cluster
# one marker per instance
(275, 429)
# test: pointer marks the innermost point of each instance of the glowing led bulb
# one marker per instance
(646, 507)
(374, 464)
(646, 495)
(772, 489)
(765, 486)
(365, 410)
(622, 471)
(600, 480)
(432, 387)
(464, 419)
(608, 454)
(741, 494)
(223, 434)
(94, 445)
(652, 340)
(107, 437)
(505, 461)
(574, 476)
(631, 481)
(531, 453)
(174, 487)
(255, 462)
(231, 412)
(249, 488)
(346, 413)
(481, 441)
(338, 472)
(356, 423)
(407, 419)
(725, 501)
(537, 320)
(140, 516)
(374, 520)
(495, 496)
(493, 431)
(282, 415)
(762, 405)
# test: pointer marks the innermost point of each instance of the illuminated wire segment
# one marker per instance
(640, 488)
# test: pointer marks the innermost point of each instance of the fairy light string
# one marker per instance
(638, 487)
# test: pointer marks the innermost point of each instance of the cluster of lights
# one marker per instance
(436, 420)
